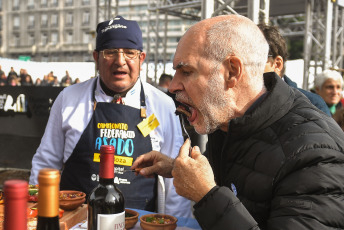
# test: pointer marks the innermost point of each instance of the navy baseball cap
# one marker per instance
(119, 33)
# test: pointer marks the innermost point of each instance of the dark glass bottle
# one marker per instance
(48, 199)
(106, 202)
(15, 195)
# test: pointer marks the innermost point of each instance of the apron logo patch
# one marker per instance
(119, 160)
(148, 125)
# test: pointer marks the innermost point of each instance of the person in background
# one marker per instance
(13, 81)
(338, 116)
(278, 54)
(12, 77)
(27, 81)
(273, 160)
(12, 72)
(56, 82)
(45, 81)
(76, 81)
(67, 78)
(329, 85)
(38, 82)
(51, 77)
(115, 108)
(22, 77)
(3, 78)
(67, 82)
(164, 82)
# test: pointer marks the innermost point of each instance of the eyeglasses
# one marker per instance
(129, 54)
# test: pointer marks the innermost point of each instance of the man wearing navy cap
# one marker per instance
(115, 108)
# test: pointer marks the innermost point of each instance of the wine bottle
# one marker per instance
(48, 199)
(106, 202)
(15, 195)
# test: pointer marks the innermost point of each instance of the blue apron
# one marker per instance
(112, 124)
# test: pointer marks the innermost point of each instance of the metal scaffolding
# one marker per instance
(321, 26)
(319, 22)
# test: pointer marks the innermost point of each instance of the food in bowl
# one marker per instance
(33, 193)
(131, 218)
(71, 199)
(158, 222)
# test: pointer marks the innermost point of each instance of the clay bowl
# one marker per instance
(131, 218)
(70, 199)
(149, 222)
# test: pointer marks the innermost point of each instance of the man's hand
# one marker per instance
(193, 176)
(154, 163)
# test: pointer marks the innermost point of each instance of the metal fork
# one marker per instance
(186, 132)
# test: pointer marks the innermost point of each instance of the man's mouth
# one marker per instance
(119, 73)
(187, 110)
(183, 109)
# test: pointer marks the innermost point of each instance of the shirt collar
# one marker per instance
(131, 98)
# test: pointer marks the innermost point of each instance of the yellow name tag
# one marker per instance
(148, 125)
(119, 160)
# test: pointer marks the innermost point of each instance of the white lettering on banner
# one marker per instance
(18, 106)
(2, 101)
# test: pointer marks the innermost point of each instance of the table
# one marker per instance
(182, 224)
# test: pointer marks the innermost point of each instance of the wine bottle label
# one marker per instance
(111, 221)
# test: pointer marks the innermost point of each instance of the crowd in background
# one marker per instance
(25, 79)
(330, 87)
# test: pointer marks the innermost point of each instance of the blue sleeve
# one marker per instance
(317, 101)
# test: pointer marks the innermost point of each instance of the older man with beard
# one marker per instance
(273, 160)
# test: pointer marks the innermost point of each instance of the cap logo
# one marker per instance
(113, 27)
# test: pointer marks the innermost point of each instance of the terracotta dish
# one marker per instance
(70, 199)
(131, 218)
(158, 222)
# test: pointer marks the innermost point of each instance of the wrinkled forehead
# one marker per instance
(331, 81)
(192, 43)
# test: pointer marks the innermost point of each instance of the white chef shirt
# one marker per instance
(71, 113)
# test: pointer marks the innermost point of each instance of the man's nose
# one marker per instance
(120, 59)
(173, 87)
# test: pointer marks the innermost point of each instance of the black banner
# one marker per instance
(24, 112)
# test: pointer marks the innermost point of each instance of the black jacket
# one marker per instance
(284, 160)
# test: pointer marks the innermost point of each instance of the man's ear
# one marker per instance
(278, 65)
(95, 57)
(234, 71)
(142, 58)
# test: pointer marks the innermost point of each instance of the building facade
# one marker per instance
(64, 30)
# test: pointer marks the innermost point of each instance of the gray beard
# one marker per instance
(215, 107)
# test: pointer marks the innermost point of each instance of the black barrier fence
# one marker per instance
(24, 112)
